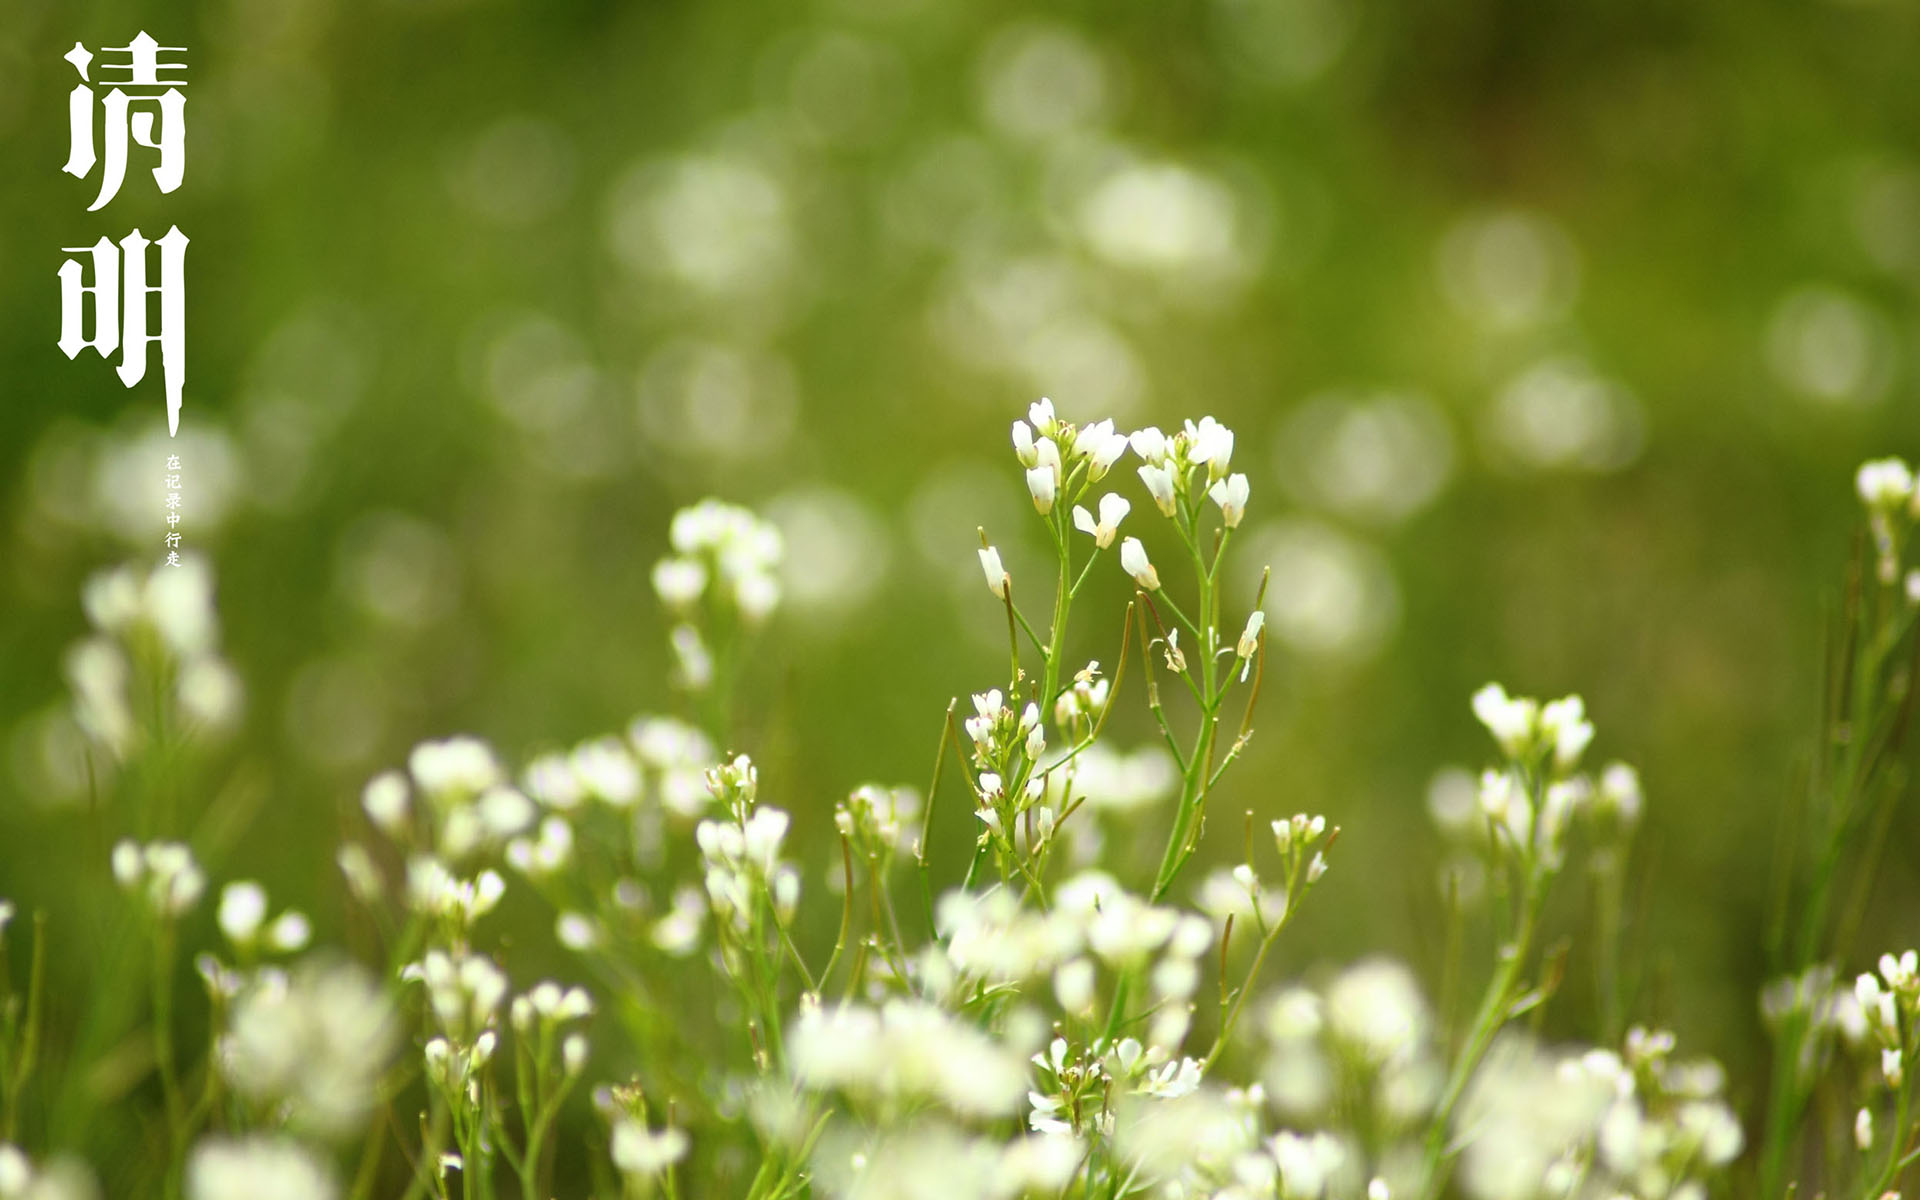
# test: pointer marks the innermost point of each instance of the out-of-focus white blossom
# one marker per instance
(254, 1167)
(1885, 484)
(1512, 722)
(692, 661)
(904, 1051)
(164, 872)
(386, 802)
(463, 990)
(679, 582)
(242, 917)
(314, 1044)
(548, 1005)
(576, 931)
(645, 1153)
(731, 547)
(1376, 1009)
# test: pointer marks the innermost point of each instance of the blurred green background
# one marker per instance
(1551, 334)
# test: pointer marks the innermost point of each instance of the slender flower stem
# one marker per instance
(163, 1056)
(1487, 1023)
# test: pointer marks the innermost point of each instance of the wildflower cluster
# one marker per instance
(1181, 474)
(1063, 1018)
(152, 662)
(1888, 489)
(722, 578)
(1629, 1123)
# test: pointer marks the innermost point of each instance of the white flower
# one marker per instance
(313, 1045)
(1113, 510)
(363, 878)
(1046, 453)
(1902, 973)
(385, 800)
(1133, 560)
(546, 855)
(605, 769)
(1306, 1162)
(691, 657)
(1040, 412)
(1564, 723)
(1863, 1130)
(16, 1171)
(1159, 479)
(1619, 792)
(1073, 985)
(1505, 801)
(289, 932)
(179, 603)
(997, 577)
(1023, 444)
(639, 1151)
(908, 1049)
(1102, 447)
(1231, 495)
(1176, 658)
(1150, 444)
(464, 991)
(1042, 483)
(172, 880)
(1510, 721)
(504, 811)
(463, 766)
(756, 594)
(550, 1004)
(1173, 1080)
(257, 1166)
(679, 582)
(1238, 894)
(1376, 1009)
(576, 931)
(1877, 1006)
(1212, 444)
(1250, 636)
(762, 835)
(126, 863)
(433, 890)
(243, 906)
(1884, 483)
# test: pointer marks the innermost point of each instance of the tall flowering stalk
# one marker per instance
(1851, 792)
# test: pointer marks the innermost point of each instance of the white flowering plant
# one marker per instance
(1056, 1020)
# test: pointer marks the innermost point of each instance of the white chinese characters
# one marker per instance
(108, 290)
(118, 295)
(143, 107)
(124, 122)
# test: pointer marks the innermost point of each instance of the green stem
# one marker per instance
(1486, 1025)
(1194, 781)
(171, 1095)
